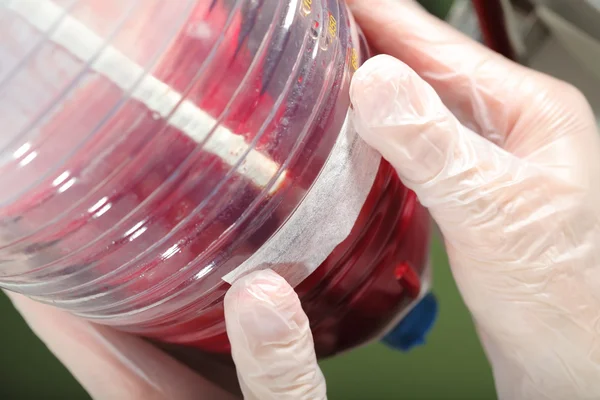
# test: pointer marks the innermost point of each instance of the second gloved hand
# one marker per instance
(514, 186)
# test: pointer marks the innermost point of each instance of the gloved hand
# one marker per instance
(269, 333)
(508, 163)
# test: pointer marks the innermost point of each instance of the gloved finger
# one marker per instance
(111, 364)
(271, 340)
(456, 173)
(484, 90)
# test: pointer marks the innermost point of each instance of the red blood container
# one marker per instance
(151, 148)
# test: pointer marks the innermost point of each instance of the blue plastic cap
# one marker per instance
(413, 329)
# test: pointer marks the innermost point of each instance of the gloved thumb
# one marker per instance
(452, 170)
(271, 341)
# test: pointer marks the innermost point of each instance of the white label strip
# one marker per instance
(159, 97)
(326, 215)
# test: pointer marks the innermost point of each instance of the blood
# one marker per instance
(150, 221)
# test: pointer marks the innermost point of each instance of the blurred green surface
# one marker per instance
(450, 366)
(439, 8)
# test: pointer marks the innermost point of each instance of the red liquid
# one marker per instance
(151, 218)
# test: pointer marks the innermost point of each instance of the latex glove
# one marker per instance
(514, 187)
(269, 333)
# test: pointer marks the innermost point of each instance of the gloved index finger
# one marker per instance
(483, 89)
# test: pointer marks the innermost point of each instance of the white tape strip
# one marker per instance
(159, 97)
(326, 215)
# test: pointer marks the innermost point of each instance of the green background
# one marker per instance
(451, 365)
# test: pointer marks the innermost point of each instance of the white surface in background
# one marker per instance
(462, 17)
(577, 63)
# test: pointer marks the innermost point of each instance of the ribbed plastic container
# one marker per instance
(150, 147)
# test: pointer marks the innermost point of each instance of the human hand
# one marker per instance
(270, 338)
(510, 172)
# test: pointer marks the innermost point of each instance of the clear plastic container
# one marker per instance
(151, 147)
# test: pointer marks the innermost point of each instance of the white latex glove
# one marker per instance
(271, 341)
(514, 187)
(269, 333)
